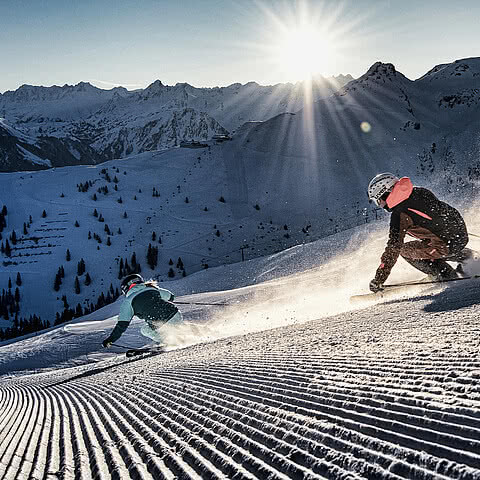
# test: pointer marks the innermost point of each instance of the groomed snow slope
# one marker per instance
(391, 390)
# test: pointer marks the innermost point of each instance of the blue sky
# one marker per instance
(219, 42)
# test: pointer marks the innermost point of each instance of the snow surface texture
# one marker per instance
(290, 381)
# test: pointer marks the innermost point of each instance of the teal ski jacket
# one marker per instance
(153, 304)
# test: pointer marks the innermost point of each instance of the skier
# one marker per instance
(416, 211)
(146, 301)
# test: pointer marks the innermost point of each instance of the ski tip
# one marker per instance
(143, 351)
(365, 297)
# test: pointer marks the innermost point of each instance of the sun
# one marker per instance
(301, 39)
(303, 52)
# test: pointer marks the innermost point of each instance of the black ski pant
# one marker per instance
(438, 267)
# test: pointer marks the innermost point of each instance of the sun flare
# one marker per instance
(303, 52)
(302, 39)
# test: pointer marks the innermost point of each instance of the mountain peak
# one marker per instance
(83, 87)
(155, 86)
(378, 74)
(379, 68)
(465, 69)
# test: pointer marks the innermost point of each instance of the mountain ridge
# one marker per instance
(381, 121)
(104, 119)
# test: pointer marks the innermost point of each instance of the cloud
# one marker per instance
(113, 84)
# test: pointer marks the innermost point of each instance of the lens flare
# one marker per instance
(366, 127)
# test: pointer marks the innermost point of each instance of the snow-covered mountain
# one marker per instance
(24, 152)
(29, 103)
(117, 123)
(382, 121)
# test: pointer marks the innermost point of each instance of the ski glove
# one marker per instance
(106, 343)
(375, 286)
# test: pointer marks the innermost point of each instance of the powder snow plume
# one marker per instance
(321, 291)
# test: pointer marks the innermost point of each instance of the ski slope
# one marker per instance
(289, 381)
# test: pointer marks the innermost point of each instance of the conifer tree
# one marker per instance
(81, 267)
(57, 283)
(77, 286)
(120, 270)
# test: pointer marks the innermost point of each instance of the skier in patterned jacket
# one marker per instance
(439, 229)
(146, 301)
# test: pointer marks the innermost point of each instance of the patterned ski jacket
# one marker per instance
(152, 304)
(416, 211)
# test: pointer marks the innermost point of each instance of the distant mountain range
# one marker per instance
(43, 127)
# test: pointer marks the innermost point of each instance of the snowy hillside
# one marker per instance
(380, 122)
(181, 201)
(117, 123)
(288, 381)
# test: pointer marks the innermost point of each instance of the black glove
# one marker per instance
(106, 343)
(375, 286)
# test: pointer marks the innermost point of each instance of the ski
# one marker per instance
(430, 282)
(133, 352)
(397, 287)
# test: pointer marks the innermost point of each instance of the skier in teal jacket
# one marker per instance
(144, 300)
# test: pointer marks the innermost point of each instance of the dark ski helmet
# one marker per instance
(129, 280)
